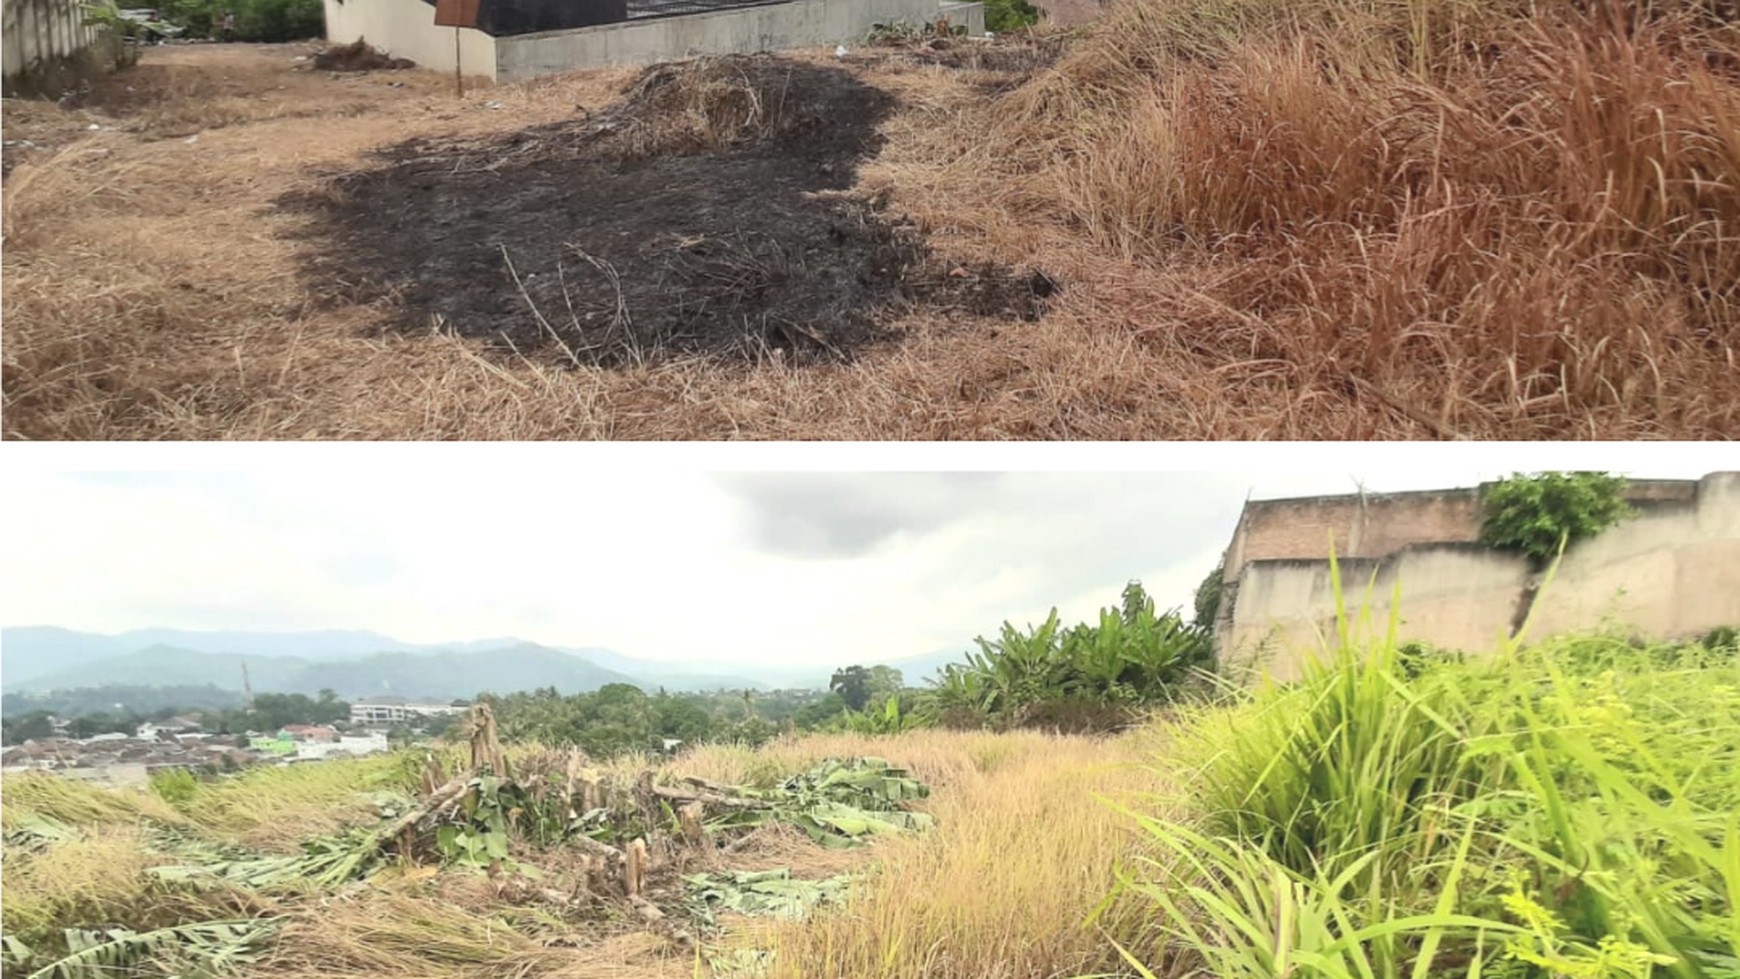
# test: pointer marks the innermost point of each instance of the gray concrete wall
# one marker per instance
(45, 46)
(770, 27)
(1671, 571)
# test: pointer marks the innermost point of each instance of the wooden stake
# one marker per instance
(458, 79)
(634, 869)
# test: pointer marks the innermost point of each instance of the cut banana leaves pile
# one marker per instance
(207, 948)
(772, 893)
(326, 861)
(36, 832)
(839, 803)
(835, 824)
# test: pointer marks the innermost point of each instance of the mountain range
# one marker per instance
(362, 664)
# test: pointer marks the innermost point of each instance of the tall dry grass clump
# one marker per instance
(1006, 883)
(1498, 216)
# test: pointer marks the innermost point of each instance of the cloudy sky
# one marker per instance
(772, 568)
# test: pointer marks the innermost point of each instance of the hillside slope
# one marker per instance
(441, 675)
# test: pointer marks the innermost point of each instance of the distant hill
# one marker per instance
(448, 675)
(34, 651)
(672, 675)
(314, 644)
(356, 662)
(440, 675)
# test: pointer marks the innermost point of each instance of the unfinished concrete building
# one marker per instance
(1672, 570)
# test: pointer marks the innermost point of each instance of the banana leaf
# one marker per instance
(217, 946)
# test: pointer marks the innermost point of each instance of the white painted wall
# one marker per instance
(406, 29)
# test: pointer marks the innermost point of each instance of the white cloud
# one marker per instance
(660, 564)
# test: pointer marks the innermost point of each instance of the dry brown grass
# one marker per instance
(1493, 225)
(1291, 239)
(1025, 848)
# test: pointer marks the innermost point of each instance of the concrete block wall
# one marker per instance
(1671, 571)
(45, 47)
(768, 27)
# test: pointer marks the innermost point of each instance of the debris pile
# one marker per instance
(359, 55)
(596, 850)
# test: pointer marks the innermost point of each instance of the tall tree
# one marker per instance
(885, 682)
(852, 683)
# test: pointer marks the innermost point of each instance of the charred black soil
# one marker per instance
(708, 211)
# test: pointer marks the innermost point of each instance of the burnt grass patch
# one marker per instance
(708, 211)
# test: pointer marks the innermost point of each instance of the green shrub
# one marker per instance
(1131, 656)
(1537, 513)
(175, 786)
(1207, 598)
(267, 21)
(1009, 15)
(279, 20)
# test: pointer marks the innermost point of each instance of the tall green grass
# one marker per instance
(1567, 809)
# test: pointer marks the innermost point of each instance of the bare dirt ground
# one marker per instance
(225, 243)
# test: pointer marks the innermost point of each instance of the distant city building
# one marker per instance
(308, 732)
(273, 745)
(368, 745)
(387, 711)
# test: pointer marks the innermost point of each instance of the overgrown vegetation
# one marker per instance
(1537, 514)
(1314, 171)
(1571, 809)
(1261, 214)
(1091, 676)
(1002, 16)
(1565, 810)
(1207, 597)
(620, 719)
(269, 21)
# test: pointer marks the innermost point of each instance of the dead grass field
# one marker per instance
(160, 283)
(1024, 849)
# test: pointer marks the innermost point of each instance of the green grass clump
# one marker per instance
(1570, 809)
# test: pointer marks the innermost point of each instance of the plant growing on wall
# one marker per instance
(1208, 597)
(1538, 513)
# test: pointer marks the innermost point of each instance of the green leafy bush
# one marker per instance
(1207, 603)
(175, 786)
(1132, 656)
(1537, 513)
(268, 21)
(1009, 15)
